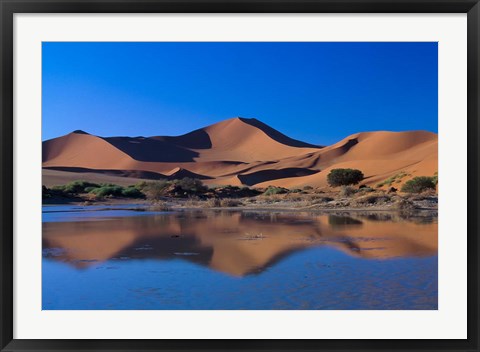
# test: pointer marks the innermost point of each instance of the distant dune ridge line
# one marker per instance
(242, 151)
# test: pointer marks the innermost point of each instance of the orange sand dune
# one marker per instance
(243, 151)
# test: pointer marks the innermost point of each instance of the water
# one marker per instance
(125, 258)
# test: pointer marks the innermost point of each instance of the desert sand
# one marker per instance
(238, 151)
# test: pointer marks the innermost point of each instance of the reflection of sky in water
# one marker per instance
(90, 213)
(237, 261)
(317, 278)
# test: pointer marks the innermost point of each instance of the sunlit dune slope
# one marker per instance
(243, 151)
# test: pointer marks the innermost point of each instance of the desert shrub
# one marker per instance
(109, 185)
(142, 184)
(296, 190)
(435, 178)
(192, 201)
(372, 199)
(132, 192)
(367, 189)
(191, 185)
(347, 191)
(419, 184)
(213, 203)
(395, 178)
(403, 204)
(59, 188)
(233, 188)
(344, 177)
(271, 190)
(294, 197)
(75, 187)
(321, 200)
(153, 190)
(46, 193)
(227, 203)
(107, 190)
(307, 188)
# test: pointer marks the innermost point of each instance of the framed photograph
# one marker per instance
(245, 175)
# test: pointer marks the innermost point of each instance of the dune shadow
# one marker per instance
(198, 139)
(152, 150)
(272, 174)
(278, 136)
(149, 175)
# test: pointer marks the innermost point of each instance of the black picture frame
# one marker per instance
(10, 7)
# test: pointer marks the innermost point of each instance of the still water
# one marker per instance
(125, 258)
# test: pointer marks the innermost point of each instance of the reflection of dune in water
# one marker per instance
(237, 243)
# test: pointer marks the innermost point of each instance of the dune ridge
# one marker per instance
(242, 151)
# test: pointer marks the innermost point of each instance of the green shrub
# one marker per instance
(132, 192)
(99, 190)
(108, 185)
(395, 178)
(344, 177)
(419, 184)
(46, 193)
(191, 185)
(142, 184)
(271, 190)
(107, 190)
(75, 187)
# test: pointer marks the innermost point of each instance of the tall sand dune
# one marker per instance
(243, 151)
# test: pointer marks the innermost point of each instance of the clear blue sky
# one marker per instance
(315, 92)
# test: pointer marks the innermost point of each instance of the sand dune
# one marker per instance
(243, 151)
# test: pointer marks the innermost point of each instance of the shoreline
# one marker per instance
(179, 205)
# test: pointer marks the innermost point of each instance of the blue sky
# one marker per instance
(315, 92)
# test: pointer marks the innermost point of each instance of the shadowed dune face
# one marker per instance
(267, 175)
(138, 174)
(178, 173)
(236, 243)
(276, 135)
(152, 150)
(198, 139)
(245, 151)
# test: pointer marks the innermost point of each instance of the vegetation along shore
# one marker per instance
(345, 191)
